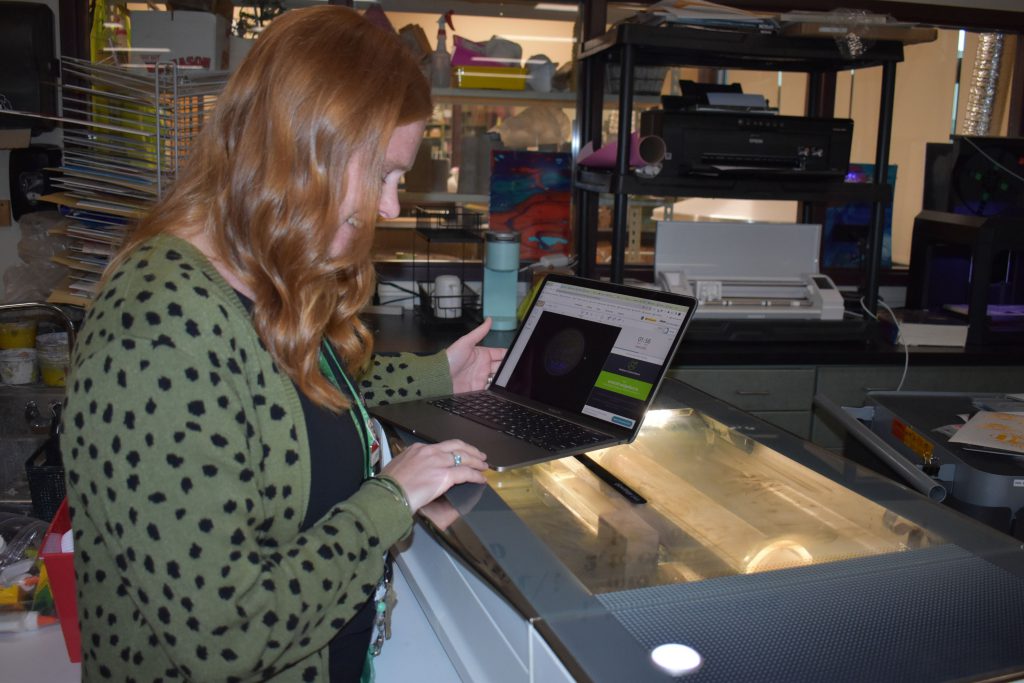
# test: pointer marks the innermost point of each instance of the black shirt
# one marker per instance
(336, 472)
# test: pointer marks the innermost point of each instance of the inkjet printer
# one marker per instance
(727, 132)
(747, 270)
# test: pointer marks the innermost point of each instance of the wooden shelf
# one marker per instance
(522, 98)
(442, 197)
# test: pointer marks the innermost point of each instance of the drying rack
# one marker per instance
(128, 129)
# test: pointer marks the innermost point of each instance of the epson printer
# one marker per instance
(718, 130)
(747, 270)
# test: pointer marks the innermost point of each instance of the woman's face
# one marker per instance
(399, 158)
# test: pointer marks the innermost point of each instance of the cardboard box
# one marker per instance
(15, 138)
(197, 40)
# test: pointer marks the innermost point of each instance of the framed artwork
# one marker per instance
(530, 194)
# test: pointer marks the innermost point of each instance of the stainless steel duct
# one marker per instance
(984, 80)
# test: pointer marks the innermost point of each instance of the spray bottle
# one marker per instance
(441, 61)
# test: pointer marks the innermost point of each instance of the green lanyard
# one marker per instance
(384, 595)
(331, 368)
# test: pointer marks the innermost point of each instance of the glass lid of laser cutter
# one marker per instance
(719, 504)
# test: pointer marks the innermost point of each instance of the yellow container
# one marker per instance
(54, 358)
(18, 334)
(489, 77)
(53, 374)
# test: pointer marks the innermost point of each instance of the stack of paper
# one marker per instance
(924, 328)
(707, 14)
(993, 432)
(126, 132)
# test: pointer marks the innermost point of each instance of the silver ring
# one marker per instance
(456, 459)
(490, 378)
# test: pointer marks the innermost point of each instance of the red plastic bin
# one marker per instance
(60, 567)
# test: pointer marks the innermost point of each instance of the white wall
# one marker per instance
(9, 236)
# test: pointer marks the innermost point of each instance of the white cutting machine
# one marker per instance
(747, 270)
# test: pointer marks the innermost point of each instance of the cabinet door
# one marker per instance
(848, 385)
(779, 395)
(796, 422)
(753, 388)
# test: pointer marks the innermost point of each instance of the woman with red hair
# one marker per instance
(228, 521)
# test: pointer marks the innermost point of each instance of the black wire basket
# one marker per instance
(448, 309)
(45, 473)
(442, 227)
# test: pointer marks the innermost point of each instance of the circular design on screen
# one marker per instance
(563, 352)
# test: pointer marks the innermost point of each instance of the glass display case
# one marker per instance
(759, 554)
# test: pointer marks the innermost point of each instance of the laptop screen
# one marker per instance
(594, 349)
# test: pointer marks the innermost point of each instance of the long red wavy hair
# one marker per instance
(266, 179)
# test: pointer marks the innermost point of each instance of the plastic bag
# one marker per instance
(37, 244)
(20, 538)
(540, 72)
(535, 126)
(37, 275)
(495, 52)
(853, 44)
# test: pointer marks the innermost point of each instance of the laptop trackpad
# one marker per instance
(432, 424)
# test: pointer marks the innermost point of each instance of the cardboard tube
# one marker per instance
(643, 151)
(650, 149)
(910, 474)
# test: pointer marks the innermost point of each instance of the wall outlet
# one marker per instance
(5, 213)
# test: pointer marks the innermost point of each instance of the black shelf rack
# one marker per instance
(734, 187)
(677, 45)
(633, 45)
(448, 226)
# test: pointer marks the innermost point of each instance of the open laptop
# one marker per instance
(583, 367)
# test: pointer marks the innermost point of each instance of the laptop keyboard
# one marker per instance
(545, 431)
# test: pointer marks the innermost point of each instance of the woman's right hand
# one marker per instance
(425, 471)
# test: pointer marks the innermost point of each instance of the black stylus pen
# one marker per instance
(610, 479)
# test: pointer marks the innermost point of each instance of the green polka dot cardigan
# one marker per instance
(188, 478)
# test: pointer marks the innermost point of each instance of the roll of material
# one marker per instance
(643, 151)
(910, 474)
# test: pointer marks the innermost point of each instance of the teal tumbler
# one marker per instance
(501, 279)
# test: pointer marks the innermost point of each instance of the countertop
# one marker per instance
(407, 332)
(36, 657)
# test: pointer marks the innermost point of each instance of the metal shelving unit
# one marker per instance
(634, 45)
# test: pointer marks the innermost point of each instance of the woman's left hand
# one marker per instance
(472, 365)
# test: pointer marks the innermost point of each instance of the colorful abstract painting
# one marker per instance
(530, 194)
